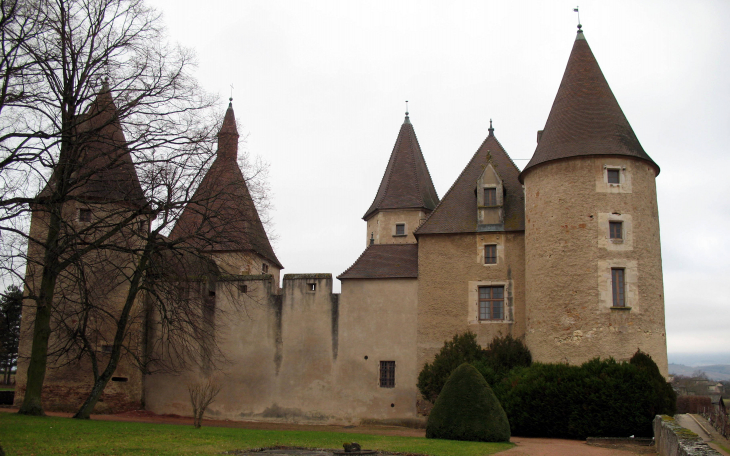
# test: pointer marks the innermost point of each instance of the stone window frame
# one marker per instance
(626, 242)
(395, 229)
(473, 302)
(631, 284)
(386, 374)
(624, 185)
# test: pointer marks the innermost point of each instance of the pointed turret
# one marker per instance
(222, 216)
(407, 183)
(104, 170)
(585, 118)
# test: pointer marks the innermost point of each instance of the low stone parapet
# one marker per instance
(674, 440)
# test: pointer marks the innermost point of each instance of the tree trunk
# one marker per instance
(88, 406)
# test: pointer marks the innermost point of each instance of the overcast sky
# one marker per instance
(320, 86)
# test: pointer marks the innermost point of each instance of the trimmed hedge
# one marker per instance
(601, 398)
(467, 409)
(463, 348)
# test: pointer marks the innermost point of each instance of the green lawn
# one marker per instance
(24, 435)
(7, 388)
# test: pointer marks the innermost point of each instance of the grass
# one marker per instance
(26, 435)
(7, 388)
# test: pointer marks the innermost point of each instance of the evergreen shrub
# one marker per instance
(601, 398)
(467, 409)
(664, 396)
(463, 348)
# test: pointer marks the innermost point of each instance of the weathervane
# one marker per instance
(576, 10)
(231, 98)
(406, 107)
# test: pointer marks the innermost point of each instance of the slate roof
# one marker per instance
(585, 118)
(105, 171)
(385, 261)
(221, 215)
(406, 183)
(457, 212)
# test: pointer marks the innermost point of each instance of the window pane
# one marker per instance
(490, 196)
(497, 310)
(483, 292)
(484, 311)
(613, 176)
(498, 292)
(490, 254)
(400, 229)
(615, 230)
(387, 374)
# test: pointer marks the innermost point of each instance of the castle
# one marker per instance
(564, 254)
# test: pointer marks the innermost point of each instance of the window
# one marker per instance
(614, 176)
(265, 268)
(490, 196)
(400, 229)
(106, 349)
(491, 303)
(311, 287)
(387, 374)
(618, 287)
(615, 230)
(490, 254)
(243, 289)
(84, 215)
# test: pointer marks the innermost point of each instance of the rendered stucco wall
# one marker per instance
(382, 226)
(569, 257)
(451, 268)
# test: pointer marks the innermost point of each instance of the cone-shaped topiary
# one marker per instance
(467, 409)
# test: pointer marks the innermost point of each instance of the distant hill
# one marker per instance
(713, 371)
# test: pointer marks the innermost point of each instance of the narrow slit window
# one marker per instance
(615, 230)
(491, 303)
(311, 287)
(387, 374)
(265, 268)
(618, 287)
(614, 176)
(400, 229)
(490, 196)
(490, 254)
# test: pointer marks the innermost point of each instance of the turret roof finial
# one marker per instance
(579, 26)
(230, 99)
(408, 120)
(491, 129)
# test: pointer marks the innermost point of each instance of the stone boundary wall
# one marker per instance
(674, 440)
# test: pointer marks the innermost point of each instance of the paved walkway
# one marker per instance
(701, 427)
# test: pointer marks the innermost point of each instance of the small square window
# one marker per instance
(490, 196)
(265, 268)
(490, 254)
(614, 176)
(84, 215)
(387, 374)
(211, 293)
(243, 289)
(400, 229)
(311, 287)
(491, 303)
(107, 349)
(615, 230)
(618, 287)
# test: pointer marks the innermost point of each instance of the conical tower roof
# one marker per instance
(407, 183)
(585, 118)
(457, 211)
(104, 170)
(222, 215)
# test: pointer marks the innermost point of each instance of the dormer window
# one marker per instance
(490, 196)
(613, 176)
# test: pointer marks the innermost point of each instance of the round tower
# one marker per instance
(593, 258)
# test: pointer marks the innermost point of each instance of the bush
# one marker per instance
(505, 353)
(467, 409)
(601, 398)
(463, 348)
(664, 397)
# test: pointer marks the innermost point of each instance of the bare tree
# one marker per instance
(202, 394)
